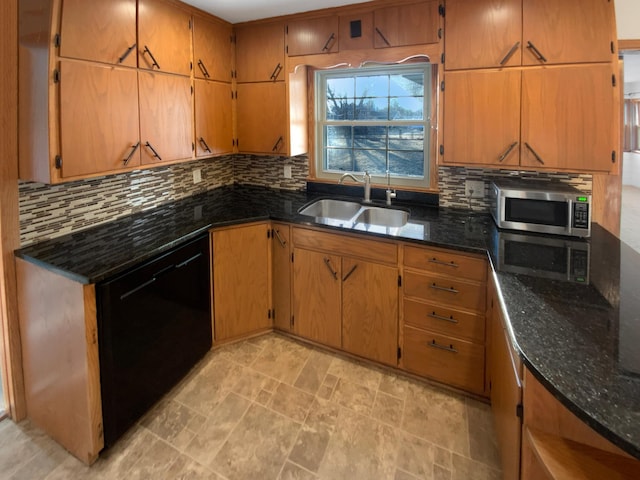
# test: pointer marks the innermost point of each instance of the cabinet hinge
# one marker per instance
(58, 162)
(399, 353)
(440, 33)
(520, 411)
(273, 313)
(190, 67)
(286, 49)
(490, 385)
(193, 147)
(399, 280)
(291, 257)
(269, 233)
(613, 80)
(56, 40)
(269, 314)
(232, 38)
(442, 86)
(191, 89)
(293, 321)
(441, 149)
(613, 156)
(442, 59)
(56, 76)
(613, 47)
(441, 10)
(286, 29)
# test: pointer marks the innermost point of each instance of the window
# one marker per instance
(375, 120)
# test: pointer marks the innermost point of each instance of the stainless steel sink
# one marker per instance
(386, 217)
(350, 214)
(330, 208)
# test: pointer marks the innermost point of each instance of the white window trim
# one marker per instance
(426, 122)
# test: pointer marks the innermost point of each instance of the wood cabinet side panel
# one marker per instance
(60, 359)
(281, 254)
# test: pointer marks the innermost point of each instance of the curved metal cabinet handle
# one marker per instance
(507, 152)
(353, 269)
(445, 264)
(276, 234)
(384, 39)
(326, 45)
(327, 262)
(536, 52)
(534, 153)
(133, 150)
(450, 348)
(204, 70)
(153, 59)
(510, 53)
(444, 289)
(155, 154)
(204, 144)
(276, 72)
(126, 54)
(276, 147)
(440, 317)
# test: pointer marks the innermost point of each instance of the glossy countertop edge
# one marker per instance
(301, 220)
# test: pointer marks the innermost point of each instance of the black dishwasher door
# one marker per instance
(154, 324)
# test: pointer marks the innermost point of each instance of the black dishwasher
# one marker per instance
(154, 324)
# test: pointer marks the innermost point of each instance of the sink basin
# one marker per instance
(330, 208)
(385, 217)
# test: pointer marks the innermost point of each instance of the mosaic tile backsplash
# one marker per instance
(48, 211)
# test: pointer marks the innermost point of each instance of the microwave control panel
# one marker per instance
(580, 215)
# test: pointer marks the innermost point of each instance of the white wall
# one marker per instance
(631, 169)
(628, 19)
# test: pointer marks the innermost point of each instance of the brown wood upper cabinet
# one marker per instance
(164, 37)
(260, 53)
(412, 24)
(262, 118)
(312, 36)
(214, 122)
(502, 33)
(212, 49)
(166, 117)
(103, 31)
(555, 118)
(99, 127)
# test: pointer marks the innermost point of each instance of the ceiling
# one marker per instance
(236, 11)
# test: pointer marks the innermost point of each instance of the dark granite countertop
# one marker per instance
(581, 339)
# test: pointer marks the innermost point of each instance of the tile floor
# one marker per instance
(630, 217)
(273, 408)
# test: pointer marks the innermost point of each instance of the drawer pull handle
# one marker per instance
(445, 264)
(326, 45)
(127, 52)
(203, 69)
(133, 150)
(282, 242)
(446, 289)
(353, 269)
(440, 317)
(535, 154)
(510, 53)
(536, 52)
(449, 348)
(507, 152)
(327, 262)
(153, 59)
(276, 72)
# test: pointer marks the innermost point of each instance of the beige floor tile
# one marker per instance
(172, 422)
(250, 383)
(388, 409)
(284, 361)
(258, 446)
(361, 448)
(184, 468)
(291, 471)
(415, 456)
(324, 411)
(217, 428)
(483, 444)
(38, 466)
(466, 469)
(154, 463)
(402, 475)
(291, 402)
(243, 353)
(354, 396)
(355, 372)
(394, 385)
(314, 372)
(311, 445)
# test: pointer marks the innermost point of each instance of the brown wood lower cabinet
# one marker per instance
(281, 275)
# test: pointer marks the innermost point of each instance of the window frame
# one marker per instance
(318, 78)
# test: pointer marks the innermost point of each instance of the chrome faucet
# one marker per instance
(366, 179)
(390, 193)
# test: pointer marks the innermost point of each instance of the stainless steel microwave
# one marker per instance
(540, 207)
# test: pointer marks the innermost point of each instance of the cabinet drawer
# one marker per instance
(447, 321)
(445, 290)
(445, 359)
(446, 263)
(338, 244)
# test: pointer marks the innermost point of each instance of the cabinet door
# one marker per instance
(164, 37)
(317, 296)
(313, 35)
(241, 281)
(103, 31)
(99, 125)
(281, 255)
(506, 395)
(260, 53)
(482, 117)
(212, 49)
(411, 24)
(567, 31)
(567, 117)
(483, 34)
(214, 123)
(262, 118)
(370, 310)
(166, 117)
